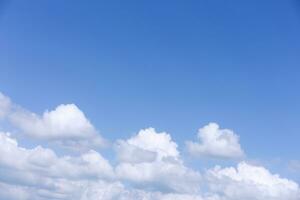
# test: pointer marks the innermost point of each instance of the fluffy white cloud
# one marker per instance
(39, 173)
(216, 142)
(148, 145)
(160, 175)
(40, 162)
(66, 124)
(250, 182)
(149, 165)
(133, 154)
(151, 160)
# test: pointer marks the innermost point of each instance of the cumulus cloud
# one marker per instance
(216, 142)
(88, 165)
(66, 124)
(147, 145)
(161, 175)
(149, 165)
(65, 121)
(250, 182)
(40, 169)
(133, 154)
(39, 173)
(151, 159)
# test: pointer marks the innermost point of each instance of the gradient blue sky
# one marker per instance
(172, 65)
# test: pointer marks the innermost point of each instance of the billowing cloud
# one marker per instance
(151, 159)
(250, 182)
(40, 170)
(160, 175)
(44, 161)
(149, 165)
(39, 173)
(216, 142)
(66, 124)
(133, 154)
(147, 145)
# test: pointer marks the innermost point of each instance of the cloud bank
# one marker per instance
(146, 166)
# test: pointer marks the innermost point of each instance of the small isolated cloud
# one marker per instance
(215, 142)
(249, 182)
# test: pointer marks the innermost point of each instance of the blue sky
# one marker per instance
(171, 65)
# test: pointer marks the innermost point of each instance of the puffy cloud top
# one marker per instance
(39, 173)
(149, 165)
(87, 165)
(147, 145)
(66, 121)
(66, 124)
(216, 142)
(251, 182)
(151, 159)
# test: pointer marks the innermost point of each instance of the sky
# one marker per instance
(114, 90)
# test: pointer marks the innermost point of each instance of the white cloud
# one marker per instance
(117, 191)
(39, 172)
(160, 175)
(149, 166)
(133, 154)
(216, 142)
(148, 145)
(66, 125)
(45, 163)
(250, 182)
(151, 160)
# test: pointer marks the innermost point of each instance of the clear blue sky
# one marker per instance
(173, 65)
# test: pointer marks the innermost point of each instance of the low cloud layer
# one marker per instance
(146, 166)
